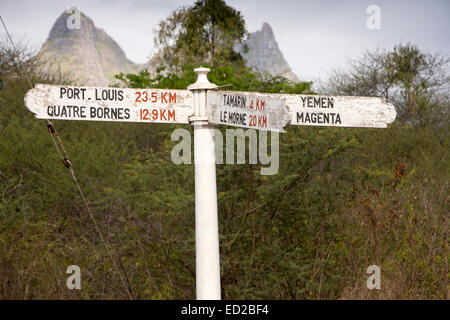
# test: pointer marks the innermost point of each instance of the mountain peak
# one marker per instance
(79, 51)
(264, 54)
(267, 29)
(71, 23)
(82, 52)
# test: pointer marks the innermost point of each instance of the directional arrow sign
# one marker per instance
(247, 109)
(338, 111)
(110, 104)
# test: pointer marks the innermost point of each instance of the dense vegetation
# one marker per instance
(342, 200)
(205, 32)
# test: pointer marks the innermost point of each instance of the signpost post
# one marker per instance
(202, 107)
(207, 260)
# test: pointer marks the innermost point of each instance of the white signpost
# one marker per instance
(339, 111)
(110, 104)
(248, 110)
(202, 107)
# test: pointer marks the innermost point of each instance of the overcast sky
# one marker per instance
(314, 36)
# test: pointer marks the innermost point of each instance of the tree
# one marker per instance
(204, 33)
(415, 82)
(229, 76)
(16, 62)
(308, 232)
(21, 62)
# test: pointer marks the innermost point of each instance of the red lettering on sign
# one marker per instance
(163, 114)
(154, 97)
(262, 121)
(166, 97)
(157, 114)
(171, 115)
(252, 122)
(172, 97)
(163, 97)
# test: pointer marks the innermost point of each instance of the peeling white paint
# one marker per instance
(258, 110)
(156, 105)
(176, 106)
(369, 112)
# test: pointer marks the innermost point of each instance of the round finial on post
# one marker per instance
(202, 80)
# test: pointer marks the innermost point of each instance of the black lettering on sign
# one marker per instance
(319, 118)
(109, 113)
(236, 118)
(82, 112)
(72, 93)
(108, 95)
(106, 113)
(223, 116)
(114, 113)
(66, 111)
(235, 101)
(317, 102)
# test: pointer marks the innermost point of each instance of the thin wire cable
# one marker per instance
(63, 155)
(15, 50)
(18, 64)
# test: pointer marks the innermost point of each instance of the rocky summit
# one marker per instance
(263, 53)
(80, 52)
